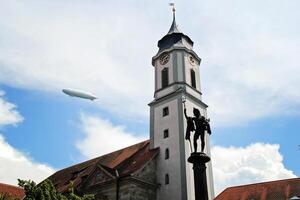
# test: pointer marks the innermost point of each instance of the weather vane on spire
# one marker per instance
(173, 7)
(173, 28)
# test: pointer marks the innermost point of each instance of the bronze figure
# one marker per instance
(197, 124)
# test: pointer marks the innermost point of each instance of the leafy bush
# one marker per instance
(47, 191)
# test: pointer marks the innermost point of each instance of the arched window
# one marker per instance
(167, 181)
(167, 155)
(193, 78)
(164, 77)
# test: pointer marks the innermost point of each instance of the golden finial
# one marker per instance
(173, 7)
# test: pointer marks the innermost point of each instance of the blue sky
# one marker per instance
(249, 76)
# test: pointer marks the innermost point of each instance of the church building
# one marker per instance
(156, 169)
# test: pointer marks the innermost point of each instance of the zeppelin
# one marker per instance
(79, 93)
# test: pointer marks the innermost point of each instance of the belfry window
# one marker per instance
(164, 77)
(167, 154)
(167, 181)
(166, 133)
(165, 111)
(193, 78)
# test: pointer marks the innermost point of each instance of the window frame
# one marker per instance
(167, 179)
(165, 111)
(165, 77)
(167, 153)
(166, 133)
(193, 78)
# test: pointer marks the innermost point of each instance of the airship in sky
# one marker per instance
(79, 93)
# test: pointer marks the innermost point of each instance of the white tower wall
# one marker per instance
(181, 59)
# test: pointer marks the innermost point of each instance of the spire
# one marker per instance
(173, 28)
(174, 37)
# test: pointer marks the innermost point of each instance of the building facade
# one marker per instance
(126, 174)
(156, 169)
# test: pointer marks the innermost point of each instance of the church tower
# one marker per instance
(177, 76)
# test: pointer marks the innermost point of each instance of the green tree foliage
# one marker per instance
(47, 191)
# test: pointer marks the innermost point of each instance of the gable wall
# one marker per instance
(148, 172)
(139, 186)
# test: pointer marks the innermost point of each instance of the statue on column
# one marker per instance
(199, 125)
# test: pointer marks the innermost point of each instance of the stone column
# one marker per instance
(198, 160)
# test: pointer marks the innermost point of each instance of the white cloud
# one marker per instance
(250, 52)
(101, 137)
(59, 45)
(8, 112)
(13, 163)
(257, 162)
(16, 165)
(250, 58)
(255, 84)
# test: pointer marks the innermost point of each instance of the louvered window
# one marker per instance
(164, 77)
(193, 78)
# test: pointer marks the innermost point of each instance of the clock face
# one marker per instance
(192, 60)
(164, 59)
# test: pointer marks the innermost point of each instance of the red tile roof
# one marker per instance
(274, 190)
(11, 191)
(126, 161)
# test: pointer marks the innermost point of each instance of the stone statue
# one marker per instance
(199, 125)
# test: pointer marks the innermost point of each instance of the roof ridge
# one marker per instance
(221, 193)
(11, 185)
(260, 183)
(100, 156)
(152, 157)
(125, 148)
(126, 160)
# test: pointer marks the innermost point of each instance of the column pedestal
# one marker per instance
(198, 160)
